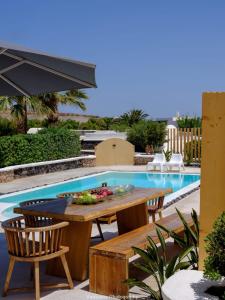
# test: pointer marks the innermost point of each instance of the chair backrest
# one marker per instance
(158, 202)
(159, 158)
(176, 157)
(35, 221)
(32, 242)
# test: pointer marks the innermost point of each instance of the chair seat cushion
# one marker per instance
(152, 208)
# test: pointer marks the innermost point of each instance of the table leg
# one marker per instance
(132, 218)
(77, 237)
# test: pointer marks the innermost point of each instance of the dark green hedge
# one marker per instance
(46, 145)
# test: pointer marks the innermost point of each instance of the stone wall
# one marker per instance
(10, 173)
(6, 176)
(142, 159)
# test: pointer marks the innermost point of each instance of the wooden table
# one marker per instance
(130, 209)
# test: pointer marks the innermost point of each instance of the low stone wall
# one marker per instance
(142, 159)
(6, 176)
(10, 173)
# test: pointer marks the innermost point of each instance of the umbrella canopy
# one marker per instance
(28, 72)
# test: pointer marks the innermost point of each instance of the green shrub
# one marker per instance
(215, 249)
(214, 264)
(49, 144)
(147, 133)
(35, 123)
(120, 127)
(68, 124)
(94, 124)
(7, 127)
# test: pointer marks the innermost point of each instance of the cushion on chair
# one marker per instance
(152, 208)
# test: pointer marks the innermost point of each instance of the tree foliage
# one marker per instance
(189, 122)
(133, 116)
(19, 107)
(46, 104)
(53, 100)
(7, 127)
(147, 133)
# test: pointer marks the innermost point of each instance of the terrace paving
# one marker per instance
(80, 291)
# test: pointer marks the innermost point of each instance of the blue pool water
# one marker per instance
(138, 179)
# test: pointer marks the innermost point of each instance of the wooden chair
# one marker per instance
(34, 245)
(156, 207)
(35, 221)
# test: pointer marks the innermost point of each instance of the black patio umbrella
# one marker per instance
(28, 72)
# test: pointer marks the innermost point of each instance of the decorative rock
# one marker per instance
(188, 285)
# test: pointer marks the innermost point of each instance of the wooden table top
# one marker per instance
(60, 209)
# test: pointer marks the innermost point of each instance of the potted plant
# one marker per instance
(167, 155)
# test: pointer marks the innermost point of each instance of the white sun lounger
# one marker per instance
(176, 161)
(158, 161)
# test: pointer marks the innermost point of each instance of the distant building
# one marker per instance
(169, 120)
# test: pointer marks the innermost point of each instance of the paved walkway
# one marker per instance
(80, 292)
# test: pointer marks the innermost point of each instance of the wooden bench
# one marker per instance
(109, 260)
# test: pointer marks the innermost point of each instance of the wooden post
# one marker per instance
(191, 143)
(171, 139)
(177, 132)
(174, 140)
(168, 139)
(199, 145)
(181, 141)
(195, 144)
(212, 202)
(185, 146)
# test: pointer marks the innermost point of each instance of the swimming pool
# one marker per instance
(180, 183)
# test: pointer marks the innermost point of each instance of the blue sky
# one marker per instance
(155, 55)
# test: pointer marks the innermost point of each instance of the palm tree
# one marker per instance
(19, 107)
(133, 116)
(52, 100)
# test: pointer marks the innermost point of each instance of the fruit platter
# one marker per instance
(92, 196)
(95, 195)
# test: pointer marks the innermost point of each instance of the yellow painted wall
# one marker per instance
(114, 152)
(212, 202)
